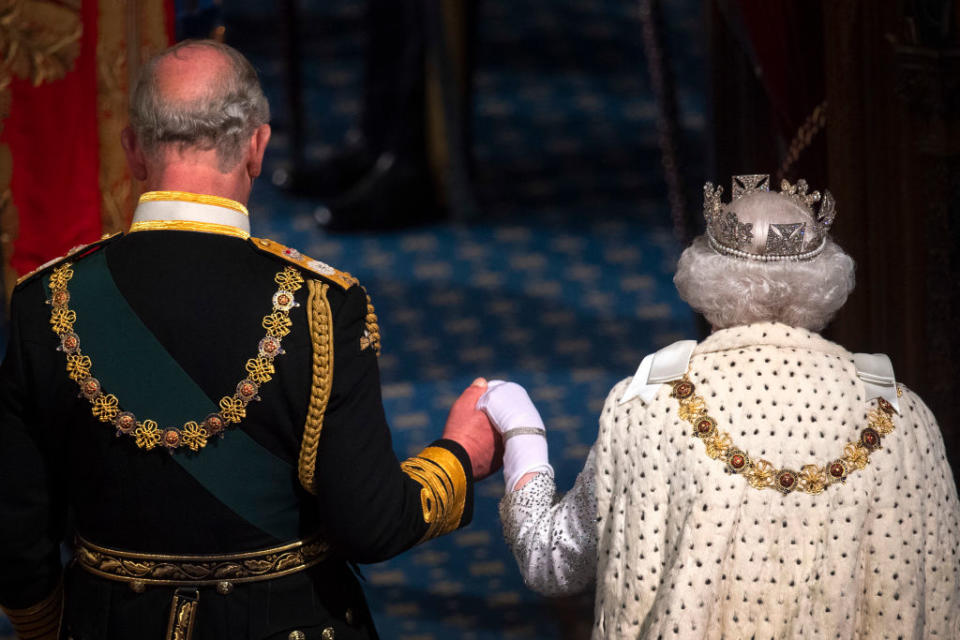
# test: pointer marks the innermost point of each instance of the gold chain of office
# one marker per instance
(760, 473)
(192, 435)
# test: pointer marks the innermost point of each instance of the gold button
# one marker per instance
(224, 587)
(297, 635)
(348, 616)
(327, 634)
(264, 243)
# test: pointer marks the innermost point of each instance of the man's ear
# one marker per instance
(258, 145)
(134, 152)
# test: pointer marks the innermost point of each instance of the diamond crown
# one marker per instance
(799, 240)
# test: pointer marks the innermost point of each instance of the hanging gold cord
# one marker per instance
(320, 321)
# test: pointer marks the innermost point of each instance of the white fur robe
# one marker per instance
(680, 549)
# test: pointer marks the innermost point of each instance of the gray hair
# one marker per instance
(223, 119)
(731, 291)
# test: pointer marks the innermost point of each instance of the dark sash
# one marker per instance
(131, 363)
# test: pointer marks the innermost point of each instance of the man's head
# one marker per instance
(197, 110)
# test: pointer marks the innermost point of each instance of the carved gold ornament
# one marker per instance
(39, 40)
(760, 473)
(193, 435)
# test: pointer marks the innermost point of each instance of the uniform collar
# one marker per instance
(769, 333)
(185, 211)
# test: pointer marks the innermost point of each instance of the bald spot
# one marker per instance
(187, 74)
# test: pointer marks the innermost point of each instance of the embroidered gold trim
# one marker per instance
(199, 198)
(72, 251)
(444, 493)
(321, 334)
(371, 334)
(147, 433)
(189, 225)
(40, 621)
(199, 570)
(342, 278)
(760, 473)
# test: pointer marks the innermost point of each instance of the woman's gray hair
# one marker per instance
(732, 291)
(223, 119)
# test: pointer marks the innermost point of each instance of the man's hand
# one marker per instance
(471, 429)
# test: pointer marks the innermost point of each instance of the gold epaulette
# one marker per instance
(73, 254)
(341, 278)
(320, 321)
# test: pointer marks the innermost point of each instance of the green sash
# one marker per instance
(132, 364)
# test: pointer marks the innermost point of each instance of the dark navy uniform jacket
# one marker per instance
(202, 294)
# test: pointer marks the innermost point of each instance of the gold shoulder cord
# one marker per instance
(760, 473)
(320, 320)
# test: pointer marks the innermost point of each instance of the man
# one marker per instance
(227, 456)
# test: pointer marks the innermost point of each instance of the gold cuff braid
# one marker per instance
(40, 621)
(444, 493)
(320, 320)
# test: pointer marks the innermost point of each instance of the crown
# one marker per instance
(793, 241)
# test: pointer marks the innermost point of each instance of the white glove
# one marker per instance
(524, 437)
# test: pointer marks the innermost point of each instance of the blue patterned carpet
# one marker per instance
(564, 285)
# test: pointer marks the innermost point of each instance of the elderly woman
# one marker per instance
(764, 483)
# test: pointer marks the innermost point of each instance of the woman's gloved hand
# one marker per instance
(514, 415)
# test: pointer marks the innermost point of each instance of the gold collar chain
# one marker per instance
(147, 433)
(760, 473)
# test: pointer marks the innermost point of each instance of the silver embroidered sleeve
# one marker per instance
(554, 537)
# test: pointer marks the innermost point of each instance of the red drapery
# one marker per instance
(63, 180)
(52, 134)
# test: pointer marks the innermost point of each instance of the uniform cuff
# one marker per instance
(446, 478)
(40, 621)
(457, 449)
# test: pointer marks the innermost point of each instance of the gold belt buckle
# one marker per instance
(183, 613)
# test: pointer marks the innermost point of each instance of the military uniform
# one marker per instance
(200, 412)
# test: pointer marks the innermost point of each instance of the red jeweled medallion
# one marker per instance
(125, 422)
(90, 388)
(213, 424)
(705, 426)
(870, 439)
(283, 300)
(247, 390)
(885, 406)
(171, 438)
(786, 481)
(837, 470)
(69, 342)
(683, 390)
(269, 347)
(60, 298)
(737, 460)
